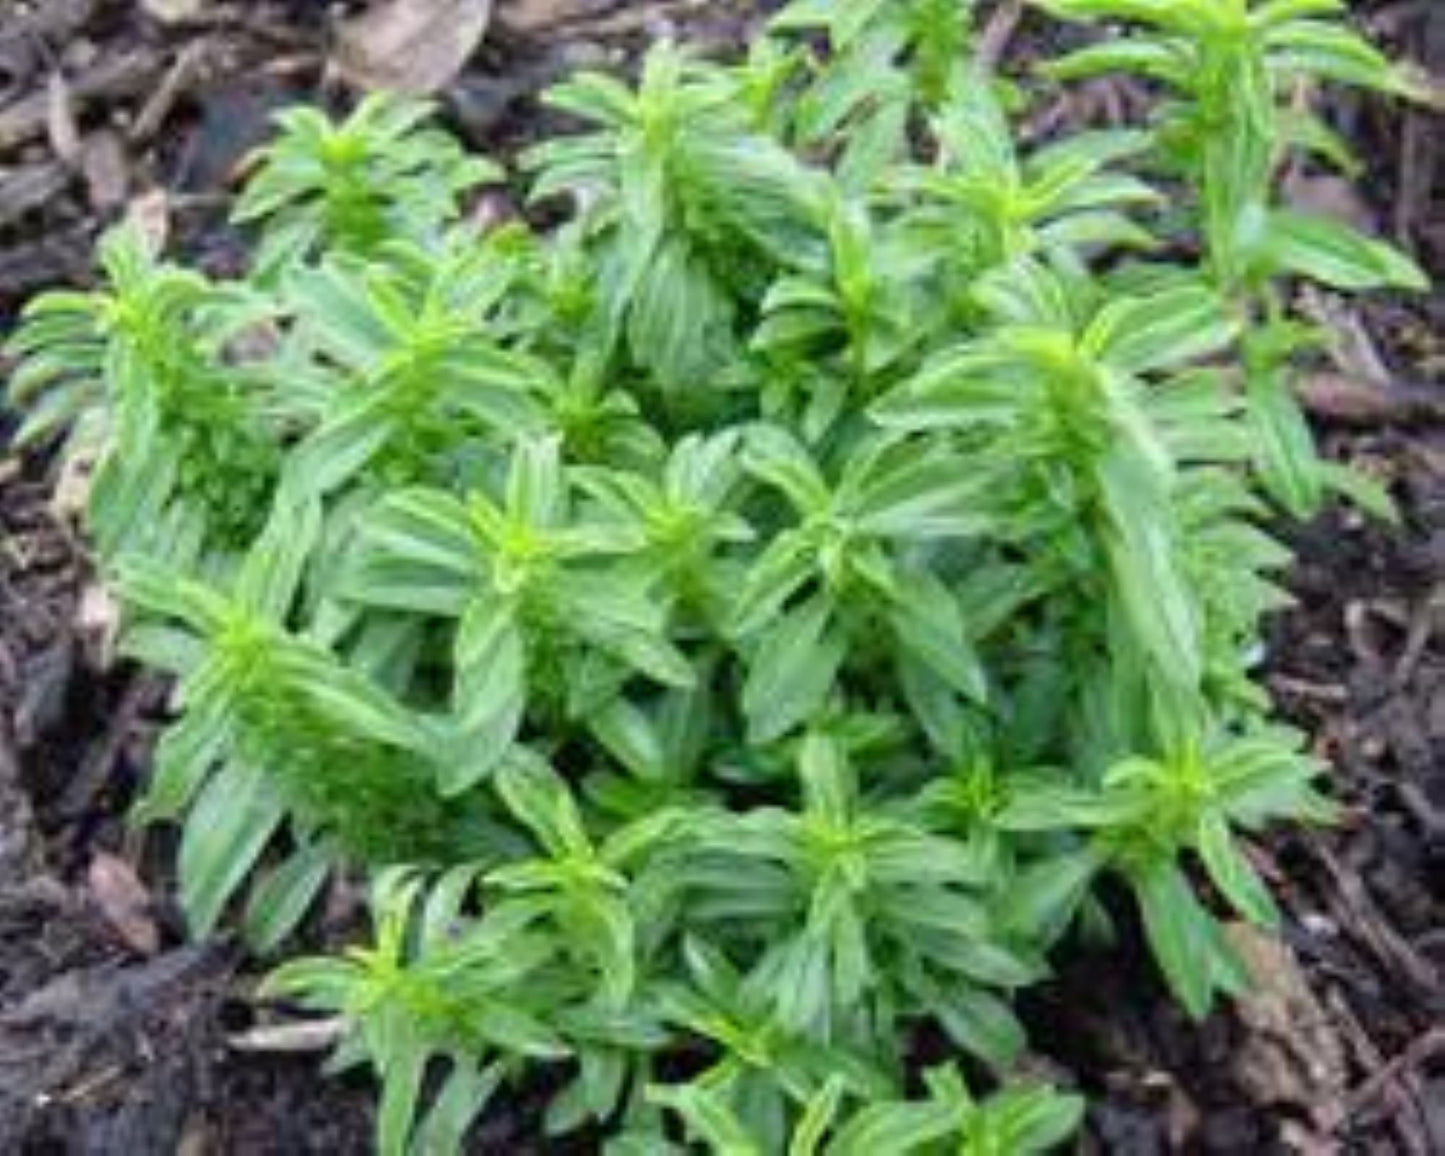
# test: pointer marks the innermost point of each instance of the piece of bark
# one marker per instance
(1292, 1055)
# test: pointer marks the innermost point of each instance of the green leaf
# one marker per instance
(901, 1128)
(232, 820)
(1042, 807)
(1232, 873)
(818, 1115)
(1135, 335)
(1364, 491)
(630, 737)
(1274, 12)
(536, 489)
(979, 1022)
(930, 629)
(490, 694)
(1313, 48)
(707, 1117)
(1154, 58)
(1159, 603)
(792, 671)
(270, 578)
(776, 457)
(402, 1070)
(188, 751)
(463, 1097)
(1034, 1120)
(920, 497)
(1179, 933)
(1333, 253)
(681, 319)
(283, 896)
(543, 804)
(1289, 465)
(777, 574)
(1044, 896)
(342, 446)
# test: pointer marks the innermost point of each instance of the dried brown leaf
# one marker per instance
(97, 622)
(60, 120)
(107, 175)
(150, 212)
(416, 46)
(174, 11)
(124, 902)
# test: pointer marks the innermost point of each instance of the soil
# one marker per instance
(118, 1036)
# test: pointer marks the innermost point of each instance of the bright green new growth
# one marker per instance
(736, 628)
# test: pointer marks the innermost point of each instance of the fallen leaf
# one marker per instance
(70, 495)
(60, 120)
(97, 622)
(107, 175)
(415, 46)
(124, 901)
(196, 1137)
(150, 213)
(173, 11)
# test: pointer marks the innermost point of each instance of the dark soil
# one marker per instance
(116, 1036)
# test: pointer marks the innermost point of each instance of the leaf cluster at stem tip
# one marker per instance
(735, 628)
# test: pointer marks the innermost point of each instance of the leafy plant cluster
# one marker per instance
(738, 627)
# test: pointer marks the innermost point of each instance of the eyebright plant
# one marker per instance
(738, 627)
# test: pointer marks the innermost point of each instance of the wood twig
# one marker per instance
(290, 1038)
(994, 40)
(121, 75)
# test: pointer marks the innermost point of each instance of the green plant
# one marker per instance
(382, 174)
(1235, 72)
(736, 628)
(1022, 1120)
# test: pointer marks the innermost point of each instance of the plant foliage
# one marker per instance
(737, 627)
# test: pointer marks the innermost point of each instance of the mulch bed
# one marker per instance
(118, 1036)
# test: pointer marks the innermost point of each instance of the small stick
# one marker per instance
(178, 77)
(1423, 1048)
(993, 41)
(291, 1039)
